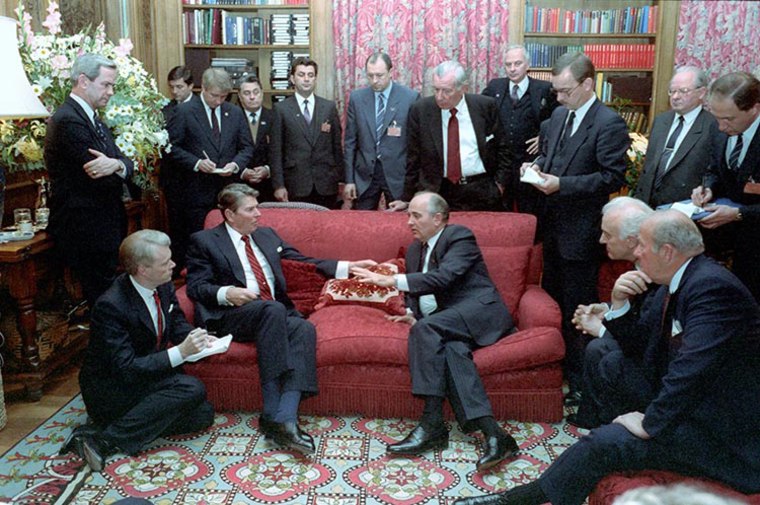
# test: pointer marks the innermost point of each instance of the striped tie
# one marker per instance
(379, 120)
(733, 159)
(258, 272)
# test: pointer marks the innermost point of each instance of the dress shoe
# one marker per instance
(573, 398)
(73, 443)
(421, 439)
(266, 426)
(581, 422)
(95, 451)
(495, 450)
(488, 499)
(288, 434)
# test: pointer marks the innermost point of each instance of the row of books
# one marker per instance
(558, 20)
(603, 55)
(218, 26)
(603, 88)
(245, 2)
(279, 77)
(636, 120)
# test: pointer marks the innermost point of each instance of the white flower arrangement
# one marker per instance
(133, 114)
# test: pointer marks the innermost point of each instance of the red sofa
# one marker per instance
(362, 358)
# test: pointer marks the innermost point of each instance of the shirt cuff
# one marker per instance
(175, 356)
(221, 296)
(341, 270)
(401, 282)
(614, 314)
(122, 172)
(195, 168)
(602, 331)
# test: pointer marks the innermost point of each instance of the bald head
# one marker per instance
(667, 240)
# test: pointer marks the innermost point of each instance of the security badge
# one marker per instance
(326, 127)
(394, 130)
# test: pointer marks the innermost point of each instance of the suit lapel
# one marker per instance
(535, 98)
(391, 107)
(295, 112)
(264, 120)
(367, 108)
(750, 160)
(137, 306)
(436, 127)
(689, 141)
(272, 255)
(201, 118)
(83, 115)
(578, 138)
(228, 250)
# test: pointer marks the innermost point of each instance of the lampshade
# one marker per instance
(17, 100)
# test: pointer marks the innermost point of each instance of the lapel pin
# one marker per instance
(279, 249)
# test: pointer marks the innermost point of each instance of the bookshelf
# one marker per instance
(204, 30)
(631, 43)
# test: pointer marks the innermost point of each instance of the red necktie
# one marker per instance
(216, 133)
(258, 272)
(159, 320)
(453, 163)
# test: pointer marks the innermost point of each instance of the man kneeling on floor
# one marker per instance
(131, 381)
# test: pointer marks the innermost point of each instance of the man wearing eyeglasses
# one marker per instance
(582, 162)
(680, 144)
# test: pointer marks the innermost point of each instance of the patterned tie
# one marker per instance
(514, 95)
(733, 159)
(258, 272)
(379, 119)
(254, 126)
(159, 320)
(100, 129)
(568, 130)
(306, 113)
(667, 153)
(216, 133)
(453, 162)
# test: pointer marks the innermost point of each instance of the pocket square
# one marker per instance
(171, 307)
(488, 138)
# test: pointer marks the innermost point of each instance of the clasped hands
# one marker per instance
(101, 165)
(197, 340)
(588, 318)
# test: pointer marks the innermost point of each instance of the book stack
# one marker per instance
(242, 30)
(301, 29)
(641, 19)
(281, 29)
(280, 73)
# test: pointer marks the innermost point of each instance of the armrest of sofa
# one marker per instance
(186, 304)
(537, 308)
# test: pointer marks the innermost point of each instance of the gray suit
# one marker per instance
(361, 155)
(687, 164)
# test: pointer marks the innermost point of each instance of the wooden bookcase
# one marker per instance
(172, 49)
(654, 98)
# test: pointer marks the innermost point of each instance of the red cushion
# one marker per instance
(304, 284)
(508, 268)
(355, 293)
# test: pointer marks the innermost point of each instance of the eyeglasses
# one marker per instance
(682, 91)
(567, 91)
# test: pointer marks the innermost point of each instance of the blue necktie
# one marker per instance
(379, 120)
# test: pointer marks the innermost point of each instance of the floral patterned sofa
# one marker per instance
(362, 357)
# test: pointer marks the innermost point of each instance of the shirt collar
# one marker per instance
(207, 106)
(432, 241)
(522, 85)
(386, 92)
(86, 106)
(145, 293)
(690, 116)
(235, 235)
(189, 97)
(301, 100)
(676, 280)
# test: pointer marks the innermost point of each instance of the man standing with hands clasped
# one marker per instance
(453, 308)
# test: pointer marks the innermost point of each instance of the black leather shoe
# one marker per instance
(73, 443)
(489, 499)
(495, 450)
(421, 440)
(95, 451)
(290, 435)
(573, 398)
(581, 422)
(267, 427)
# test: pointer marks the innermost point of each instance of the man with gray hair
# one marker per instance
(211, 145)
(131, 380)
(456, 145)
(87, 174)
(703, 333)
(680, 143)
(524, 102)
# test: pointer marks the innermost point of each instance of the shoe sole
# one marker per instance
(92, 458)
(510, 453)
(440, 444)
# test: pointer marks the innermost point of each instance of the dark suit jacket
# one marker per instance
(458, 277)
(361, 154)
(83, 211)
(709, 385)
(687, 165)
(121, 356)
(306, 156)
(190, 135)
(425, 156)
(212, 263)
(590, 167)
(261, 148)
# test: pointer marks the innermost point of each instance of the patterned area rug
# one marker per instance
(232, 464)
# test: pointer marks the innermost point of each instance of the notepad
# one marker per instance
(531, 176)
(218, 347)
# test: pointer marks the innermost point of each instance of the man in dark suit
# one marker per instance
(180, 81)
(456, 145)
(306, 153)
(376, 134)
(211, 145)
(131, 380)
(735, 172)
(258, 174)
(235, 278)
(703, 332)
(584, 162)
(680, 143)
(453, 309)
(87, 175)
(523, 104)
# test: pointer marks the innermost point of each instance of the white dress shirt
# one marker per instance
(469, 155)
(175, 356)
(428, 303)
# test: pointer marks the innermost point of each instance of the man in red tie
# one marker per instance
(456, 145)
(235, 278)
(131, 380)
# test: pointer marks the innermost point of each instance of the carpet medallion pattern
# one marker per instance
(231, 463)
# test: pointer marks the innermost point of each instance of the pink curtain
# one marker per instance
(720, 37)
(419, 34)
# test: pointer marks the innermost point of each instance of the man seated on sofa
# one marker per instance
(614, 379)
(453, 309)
(235, 278)
(131, 380)
(704, 326)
